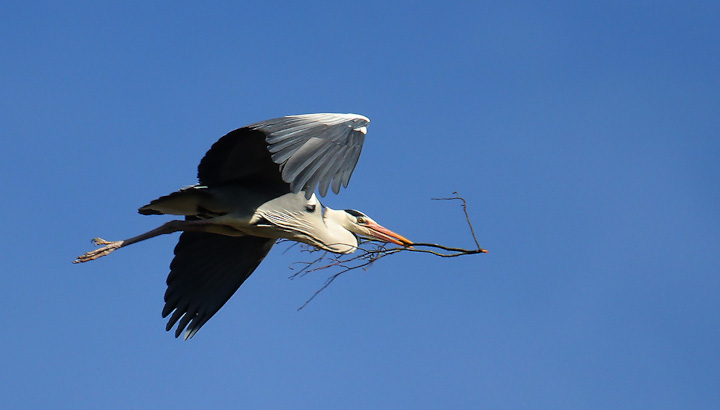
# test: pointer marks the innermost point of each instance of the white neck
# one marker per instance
(326, 228)
(336, 237)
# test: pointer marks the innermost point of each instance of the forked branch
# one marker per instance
(371, 251)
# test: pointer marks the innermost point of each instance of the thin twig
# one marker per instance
(467, 217)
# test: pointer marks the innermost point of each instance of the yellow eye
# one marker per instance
(360, 220)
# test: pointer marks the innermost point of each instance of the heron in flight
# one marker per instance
(256, 185)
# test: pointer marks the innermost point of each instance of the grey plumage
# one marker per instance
(314, 149)
(256, 161)
(256, 185)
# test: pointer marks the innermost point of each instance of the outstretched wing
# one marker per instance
(206, 271)
(314, 149)
(311, 151)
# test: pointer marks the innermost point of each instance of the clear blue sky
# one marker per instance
(584, 135)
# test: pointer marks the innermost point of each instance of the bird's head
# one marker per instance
(362, 225)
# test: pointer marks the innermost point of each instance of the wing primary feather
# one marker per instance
(281, 157)
(189, 315)
(179, 311)
(280, 143)
(195, 325)
(350, 165)
(309, 181)
(303, 159)
(305, 177)
(206, 271)
(330, 170)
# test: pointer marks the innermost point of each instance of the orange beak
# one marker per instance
(384, 234)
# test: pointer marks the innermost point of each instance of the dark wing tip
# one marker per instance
(206, 271)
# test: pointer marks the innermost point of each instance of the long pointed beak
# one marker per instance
(384, 234)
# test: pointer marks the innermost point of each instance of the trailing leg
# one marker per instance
(169, 227)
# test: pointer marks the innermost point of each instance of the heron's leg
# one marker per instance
(169, 227)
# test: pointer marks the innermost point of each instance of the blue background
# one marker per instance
(584, 135)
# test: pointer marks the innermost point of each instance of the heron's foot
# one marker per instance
(108, 248)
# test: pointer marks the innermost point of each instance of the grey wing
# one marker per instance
(206, 271)
(315, 150)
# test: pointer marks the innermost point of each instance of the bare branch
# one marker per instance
(369, 252)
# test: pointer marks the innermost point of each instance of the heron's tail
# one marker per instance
(187, 201)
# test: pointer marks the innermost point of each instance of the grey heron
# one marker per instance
(256, 185)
